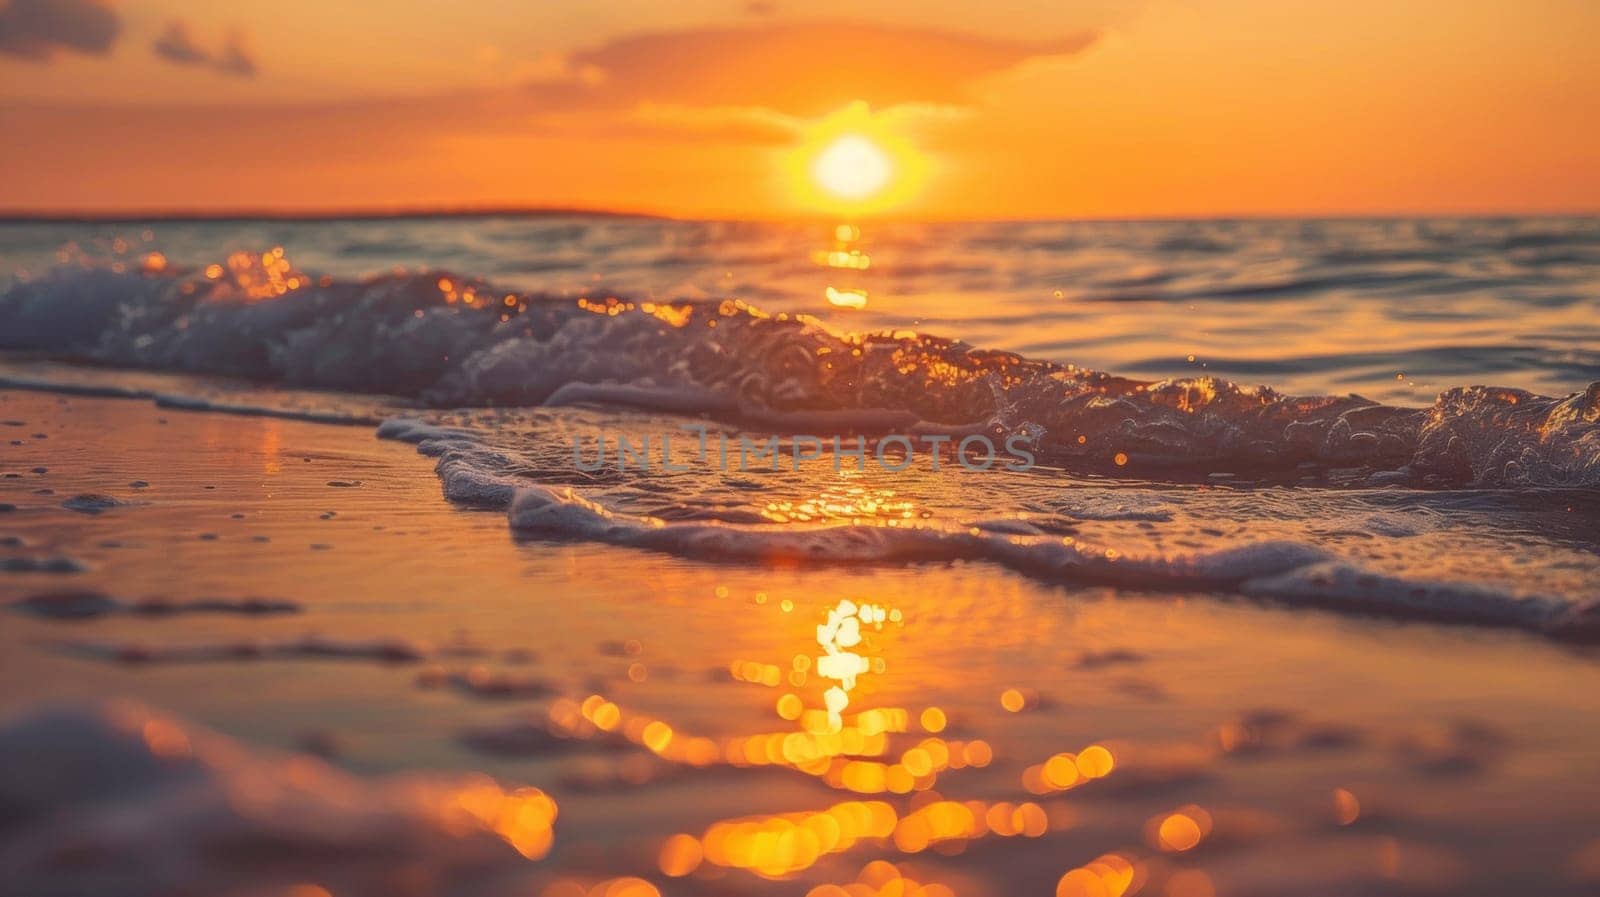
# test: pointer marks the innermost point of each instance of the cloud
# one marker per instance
(37, 29)
(690, 124)
(235, 58)
(798, 68)
(177, 46)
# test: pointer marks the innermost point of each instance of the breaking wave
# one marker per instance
(1343, 550)
(148, 804)
(449, 341)
(525, 373)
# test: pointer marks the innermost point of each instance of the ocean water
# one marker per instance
(1430, 445)
(329, 676)
(1395, 310)
(1298, 594)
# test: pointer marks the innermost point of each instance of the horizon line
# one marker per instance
(71, 215)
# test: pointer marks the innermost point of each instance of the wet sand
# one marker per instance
(303, 587)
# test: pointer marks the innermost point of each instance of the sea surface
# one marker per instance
(1054, 398)
(1284, 577)
(1395, 310)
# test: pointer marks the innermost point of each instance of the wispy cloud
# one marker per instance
(38, 29)
(690, 124)
(176, 45)
(794, 68)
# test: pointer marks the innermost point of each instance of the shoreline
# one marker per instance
(410, 596)
(1288, 574)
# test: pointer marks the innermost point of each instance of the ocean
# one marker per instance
(1277, 513)
(1395, 310)
(1425, 379)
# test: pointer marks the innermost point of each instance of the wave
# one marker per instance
(446, 340)
(1075, 536)
(165, 807)
(1289, 572)
(609, 365)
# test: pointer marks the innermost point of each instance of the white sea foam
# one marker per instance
(449, 341)
(437, 338)
(151, 805)
(1289, 572)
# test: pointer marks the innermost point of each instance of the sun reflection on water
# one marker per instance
(841, 633)
(267, 275)
(838, 298)
(845, 255)
(889, 762)
(842, 502)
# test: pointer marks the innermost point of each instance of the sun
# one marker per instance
(852, 168)
(853, 162)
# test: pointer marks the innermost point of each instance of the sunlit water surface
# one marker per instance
(1111, 677)
(1396, 310)
(784, 728)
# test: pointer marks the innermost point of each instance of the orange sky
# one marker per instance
(1004, 108)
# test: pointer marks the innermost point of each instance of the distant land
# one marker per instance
(80, 216)
(369, 213)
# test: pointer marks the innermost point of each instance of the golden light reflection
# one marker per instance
(271, 447)
(1108, 875)
(848, 752)
(680, 855)
(1066, 771)
(841, 757)
(846, 298)
(880, 877)
(1179, 832)
(850, 259)
(1095, 762)
(839, 503)
(267, 275)
(837, 662)
(1182, 829)
(845, 255)
(524, 818)
(874, 753)
(790, 706)
(775, 846)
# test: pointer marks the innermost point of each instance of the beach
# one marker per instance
(627, 557)
(753, 449)
(1214, 743)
